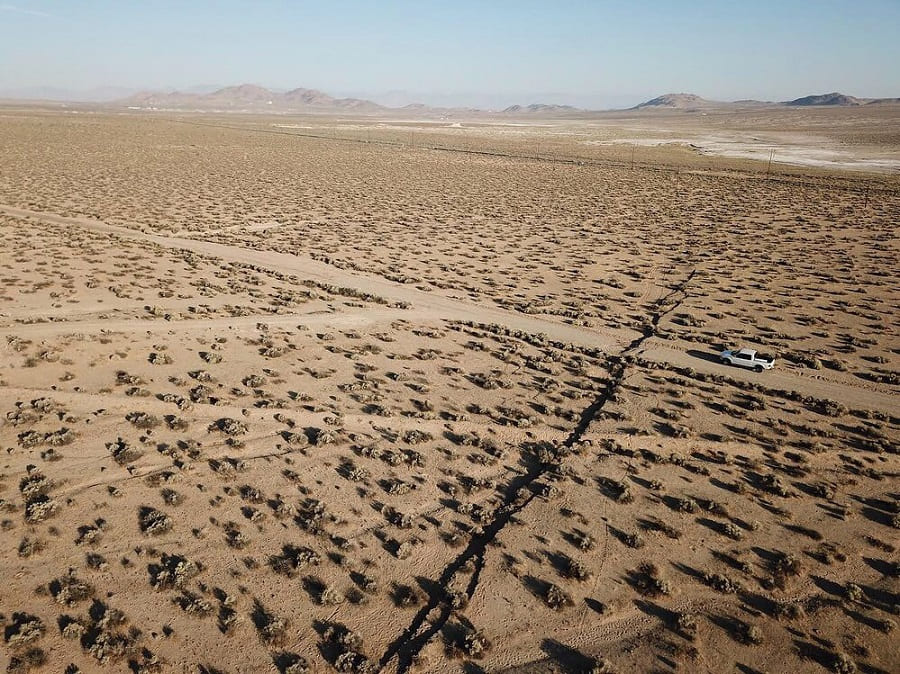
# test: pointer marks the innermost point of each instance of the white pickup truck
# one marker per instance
(747, 358)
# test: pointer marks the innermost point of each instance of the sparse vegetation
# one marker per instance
(467, 404)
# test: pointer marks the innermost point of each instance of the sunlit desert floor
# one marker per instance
(290, 394)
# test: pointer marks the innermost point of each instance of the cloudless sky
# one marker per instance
(720, 49)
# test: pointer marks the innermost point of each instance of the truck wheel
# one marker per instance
(725, 361)
(758, 368)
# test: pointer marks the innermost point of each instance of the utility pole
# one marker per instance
(632, 156)
(769, 166)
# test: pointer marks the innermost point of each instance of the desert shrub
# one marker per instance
(90, 534)
(489, 381)
(251, 494)
(295, 439)
(125, 379)
(323, 436)
(583, 541)
(122, 452)
(841, 663)
(173, 571)
(111, 646)
(355, 473)
(784, 566)
(415, 436)
(657, 525)
(178, 423)
(230, 427)
(398, 487)
(620, 490)
(23, 630)
(29, 439)
(550, 491)
(159, 358)
(775, 485)
(687, 623)
(405, 596)
(721, 583)
(282, 509)
(311, 517)
(748, 634)
(823, 490)
(732, 531)
(270, 628)
(647, 580)
(472, 643)
(40, 508)
(30, 546)
(330, 596)
(236, 539)
(788, 611)
(826, 407)
(886, 625)
(64, 436)
(685, 505)
(577, 570)
(556, 598)
(22, 663)
(51, 455)
(99, 635)
(171, 497)
(143, 420)
(69, 590)
(714, 507)
(193, 604)
(228, 619)
(291, 663)
(397, 518)
(456, 599)
(343, 648)
(153, 522)
(253, 381)
(145, 662)
(853, 592)
(202, 394)
(35, 484)
(96, 561)
(599, 666)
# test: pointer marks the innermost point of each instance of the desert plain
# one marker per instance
(311, 394)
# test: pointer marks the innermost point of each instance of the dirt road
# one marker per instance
(428, 307)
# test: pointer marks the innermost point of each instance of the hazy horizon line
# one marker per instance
(392, 97)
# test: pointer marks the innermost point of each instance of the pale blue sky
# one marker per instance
(508, 49)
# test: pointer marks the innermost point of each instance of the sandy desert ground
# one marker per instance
(291, 394)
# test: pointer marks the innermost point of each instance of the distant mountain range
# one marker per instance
(249, 97)
(539, 108)
(254, 98)
(694, 102)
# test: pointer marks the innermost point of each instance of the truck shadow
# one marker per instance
(708, 356)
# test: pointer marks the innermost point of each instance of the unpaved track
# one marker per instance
(425, 307)
(363, 317)
(843, 388)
